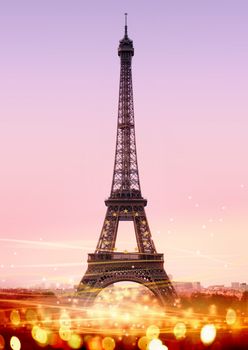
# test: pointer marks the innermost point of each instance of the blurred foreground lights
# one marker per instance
(142, 343)
(39, 335)
(65, 320)
(65, 333)
(2, 342)
(15, 343)
(152, 332)
(108, 343)
(208, 334)
(75, 341)
(155, 344)
(231, 317)
(15, 317)
(180, 330)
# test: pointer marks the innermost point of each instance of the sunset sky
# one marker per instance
(59, 78)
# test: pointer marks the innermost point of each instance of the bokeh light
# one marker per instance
(231, 317)
(108, 343)
(2, 342)
(40, 335)
(155, 344)
(15, 343)
(75, 341)
(95, 343)
(65, 333)
(121, 320)
(208, 334)
(143, 342)
(15, 317)
(65, 320)
(180, 330)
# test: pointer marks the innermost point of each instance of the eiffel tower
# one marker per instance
(107, 266)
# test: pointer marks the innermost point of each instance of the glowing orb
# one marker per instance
(65, 333)
(180, 330)
(155, 344)
(34, 331)
(95, 343)
(152, 332)
(2, 342)
(142, 343)
(15, 317)
(40, 335)
(75, 341)
(15, 343)
(108, 343)
(231, 317)
(208, 334)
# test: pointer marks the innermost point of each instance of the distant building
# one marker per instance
(235, 285)
(187, 287)
(197, 286)
(243, 287)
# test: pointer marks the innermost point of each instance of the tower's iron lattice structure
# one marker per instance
(106, 265)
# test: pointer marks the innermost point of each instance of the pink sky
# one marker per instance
(59, 90)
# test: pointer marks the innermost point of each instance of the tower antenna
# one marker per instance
(125, 24)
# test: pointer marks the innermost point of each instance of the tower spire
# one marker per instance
(126, 25)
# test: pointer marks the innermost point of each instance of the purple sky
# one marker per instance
(59, 77)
